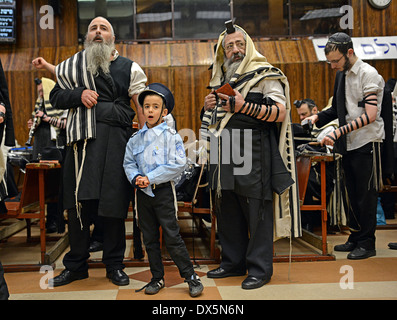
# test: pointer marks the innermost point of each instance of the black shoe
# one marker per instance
(346, 247)
(222, 273)
(393, 245)
(67, 277)
(118, 277)
(153, 287)
(51, 227)
(95, 246)
(195, 285)
(138, 253)
(361, 253)
(253, 283)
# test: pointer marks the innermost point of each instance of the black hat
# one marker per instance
(51, 153)
(162, 91)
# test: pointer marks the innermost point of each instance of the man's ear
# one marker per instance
(314, 110)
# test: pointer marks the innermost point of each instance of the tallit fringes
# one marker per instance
(79, 172)
(175, 199)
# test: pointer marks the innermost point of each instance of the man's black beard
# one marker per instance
(347, 64)
(98, 56)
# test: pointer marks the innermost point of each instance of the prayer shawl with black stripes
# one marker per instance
(81, 122)
(49, 110)
(253, 69)
(72, 73)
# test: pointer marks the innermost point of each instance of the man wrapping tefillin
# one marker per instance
(245, 120)
(96, 85)
(358, 94)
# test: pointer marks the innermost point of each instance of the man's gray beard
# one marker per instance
(98, 56)
(231, 68)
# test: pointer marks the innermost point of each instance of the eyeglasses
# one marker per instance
(239, 44)
(335, 61)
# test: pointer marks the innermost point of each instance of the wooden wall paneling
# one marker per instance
(290, 52)
(190, 88)
(31, 35)
(372, 22)
(269, 50)
(294, 74)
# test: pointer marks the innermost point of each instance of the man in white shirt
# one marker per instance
(358, 94)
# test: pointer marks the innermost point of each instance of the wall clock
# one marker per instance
(379, 4)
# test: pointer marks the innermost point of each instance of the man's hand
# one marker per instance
(239, 101)
(329, 139)
(313, 119)
(41, 63)
(40, 114)
(210, 102)
(89, 98)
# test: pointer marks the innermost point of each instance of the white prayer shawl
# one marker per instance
(255, 68)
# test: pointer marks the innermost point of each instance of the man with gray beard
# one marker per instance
(96, 86)
(244, 123)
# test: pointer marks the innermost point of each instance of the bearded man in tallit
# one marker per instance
(96, 86)
(250, 162)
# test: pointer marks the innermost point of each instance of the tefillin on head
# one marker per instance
(230, 28)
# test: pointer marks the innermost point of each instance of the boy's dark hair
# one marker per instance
(338, 41)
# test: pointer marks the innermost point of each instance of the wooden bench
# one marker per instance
(195, 212)
(40, 185)
(303, 165)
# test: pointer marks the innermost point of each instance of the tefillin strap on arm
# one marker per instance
(357, 123)
(370, 99)
(254, 110)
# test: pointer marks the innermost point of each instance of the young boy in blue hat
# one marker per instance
(154, 158)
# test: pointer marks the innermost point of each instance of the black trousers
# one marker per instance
(156, 212)
(4, 294)
(363, 196)
(79, 239)
(245, 227)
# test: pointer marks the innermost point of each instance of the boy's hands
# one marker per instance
(142, 182)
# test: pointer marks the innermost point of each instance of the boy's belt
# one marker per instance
(160, 185)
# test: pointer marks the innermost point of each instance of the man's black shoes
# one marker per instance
(252, 282)
(222, 273)
(95, 246)
(118, 277)
(67, 277)
(356, 252)
(346, 247)
(361, 253)
(393, 245)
